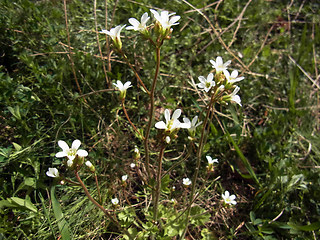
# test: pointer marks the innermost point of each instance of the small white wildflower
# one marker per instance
(186, 181)
(229, 199)
(132, 165)
(115, 201)
(53, 172)
(122, 88)
(219, 65)
(233, 77)
(171, 123)
(114, 33)
(72, 152)
(165, 19)
(193, 124)
(168, 139)
(206, 83)
(124, 178)
(234, 97)
(211, 161)
(139, 26)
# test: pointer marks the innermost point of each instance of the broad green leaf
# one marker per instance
(62, 223)
(24, 203)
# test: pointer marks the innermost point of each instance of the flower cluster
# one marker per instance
(222, 81)
(172, 125)
(74, 157)
(164, 21)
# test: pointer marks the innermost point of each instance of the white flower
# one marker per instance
(233, 77)
(234, 97)
(136, 150)
(211, 161)
(164, 18)
(122, 87)
(115, 201)
(52, 172)
(132, 165)
(206, 83)
(186, 181)
(168, 139)
(114, 33)
(124, 178)
(138, 26)
(72, 152)
(229, 199)
(219, 65)
(192, 124)
(173, 123)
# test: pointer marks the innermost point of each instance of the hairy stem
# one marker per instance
(158, 187)
(97, 184)
(151, 111)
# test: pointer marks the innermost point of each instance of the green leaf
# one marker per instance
(24, 203)
(62, 223)
(16, 146)
(311, 227)
(243, 158)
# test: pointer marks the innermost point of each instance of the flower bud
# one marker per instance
(90, 166)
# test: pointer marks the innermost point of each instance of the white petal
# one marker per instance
(236, 99)
(226, 194)
(194, 121)
(210, 77)
(176, 124)
(82, 153)
(209, 158)
(174, 19)
(176, 114)
(202, 79)
(167, 115)
(234, 74)
(219, 61)
(185, 125)
(134, 22)
(63, 145)
(144, 18)
(161, 125)
(61, 154)
(213, 62)
(226, 74)
(76, 144)
(155, 14)
(127, 85)
(227, 63)
(201, 85)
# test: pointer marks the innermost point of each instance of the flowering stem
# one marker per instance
(199, 154)
(151, 111)
(158, 187)
(115, 221)
(134, 70)
(97, 184)
(127, 116)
